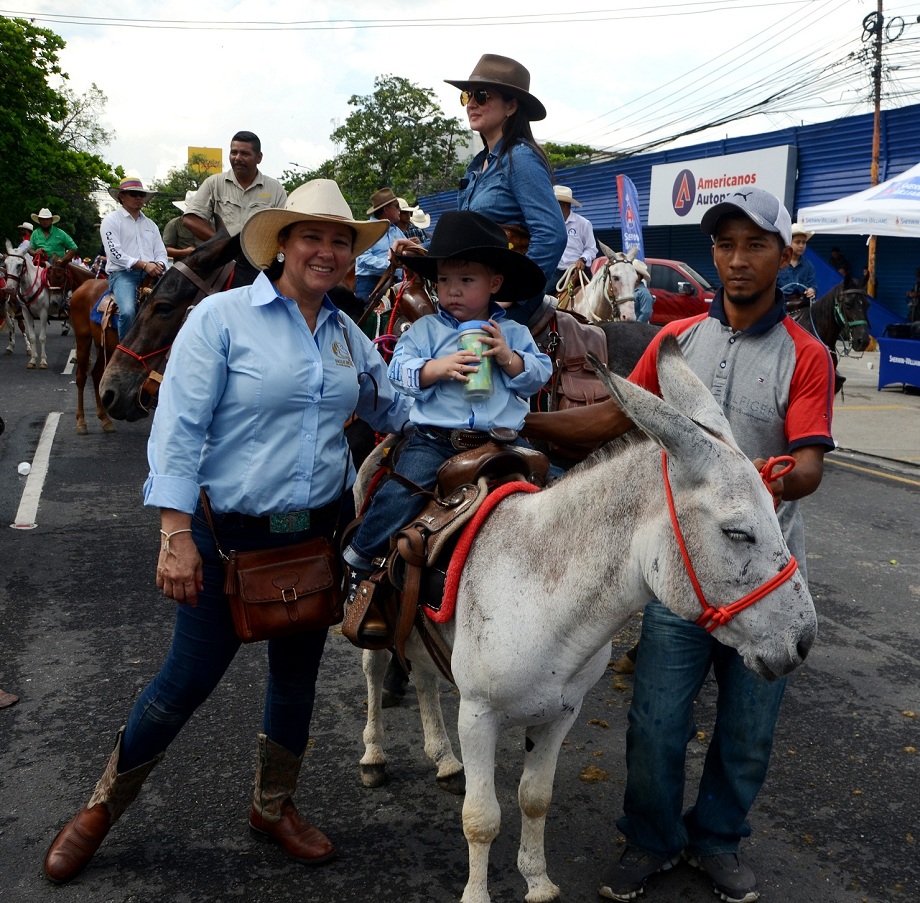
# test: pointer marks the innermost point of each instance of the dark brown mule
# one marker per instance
(131, 379)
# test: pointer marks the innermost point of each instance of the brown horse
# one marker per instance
(133, 374)
(89, 335)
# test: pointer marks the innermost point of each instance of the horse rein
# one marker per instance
(151, 384)
(713, 617)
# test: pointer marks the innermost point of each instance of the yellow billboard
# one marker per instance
(206, 160)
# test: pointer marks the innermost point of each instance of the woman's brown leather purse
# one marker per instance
(283, 591)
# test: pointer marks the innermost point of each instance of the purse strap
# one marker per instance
(206, 507)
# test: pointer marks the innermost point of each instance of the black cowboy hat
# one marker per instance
(464, 235)
(507, 74)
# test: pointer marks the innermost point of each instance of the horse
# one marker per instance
(10, 312)
(30, 284)
(132, 376)
(531, 632)
(609, 295)
(840, 315)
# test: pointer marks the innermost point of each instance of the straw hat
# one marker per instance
(316, 201)
(799, 229)
(420, 219)
(565, 195)
(464, 235)
(45, 213)
(404, 205)
(25, 227)
(381, 198)
(507, 74)
(131, 183)
(183, 205)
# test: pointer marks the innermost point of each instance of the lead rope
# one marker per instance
(713, 617)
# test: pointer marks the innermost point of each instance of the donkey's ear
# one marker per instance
(683, 389)
(669, 427)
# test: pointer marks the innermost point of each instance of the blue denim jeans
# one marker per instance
(124, 285)
(205, 643)
(395, 504)
(674, 658)
(364, 285)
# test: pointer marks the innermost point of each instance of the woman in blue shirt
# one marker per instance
(511, 181)
(260, 380)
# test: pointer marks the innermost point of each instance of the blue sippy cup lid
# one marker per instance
(472, 324)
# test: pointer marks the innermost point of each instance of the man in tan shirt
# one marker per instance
(234, 196)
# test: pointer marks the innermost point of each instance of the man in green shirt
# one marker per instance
(56, 243)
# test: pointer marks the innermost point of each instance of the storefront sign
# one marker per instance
(682, 192)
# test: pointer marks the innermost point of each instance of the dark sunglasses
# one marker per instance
(480, 95)
(136, 194)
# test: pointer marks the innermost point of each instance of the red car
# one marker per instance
(679, 291)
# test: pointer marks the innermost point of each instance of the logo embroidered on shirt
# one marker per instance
(342, 357)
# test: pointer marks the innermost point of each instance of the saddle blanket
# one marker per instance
(100, 308)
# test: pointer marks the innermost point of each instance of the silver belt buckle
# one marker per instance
(292, 522)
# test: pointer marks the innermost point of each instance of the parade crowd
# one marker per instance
(247, 448)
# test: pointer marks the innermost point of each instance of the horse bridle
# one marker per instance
(41, 282)
(846, 326)
(151, 384)
(713, 617)
(616, 301)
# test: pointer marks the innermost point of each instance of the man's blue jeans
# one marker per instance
(203, 646)
(124, 285)
(674, 658)
(364, 285)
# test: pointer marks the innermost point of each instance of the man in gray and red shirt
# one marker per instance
(775, 385)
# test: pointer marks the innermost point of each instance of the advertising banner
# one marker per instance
(630, 223)
(682, 192)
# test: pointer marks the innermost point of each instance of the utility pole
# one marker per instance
(876, 128)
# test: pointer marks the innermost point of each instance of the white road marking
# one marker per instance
(71, 362)
(28, 504)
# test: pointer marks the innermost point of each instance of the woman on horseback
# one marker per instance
(510, 180)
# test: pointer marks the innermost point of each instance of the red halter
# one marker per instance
(712, 617)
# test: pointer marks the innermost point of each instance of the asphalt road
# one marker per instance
(82, 629)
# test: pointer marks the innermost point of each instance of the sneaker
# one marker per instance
(626, 880)
(732, 880)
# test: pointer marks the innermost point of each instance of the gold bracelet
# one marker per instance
(168, 536)
(510, 359)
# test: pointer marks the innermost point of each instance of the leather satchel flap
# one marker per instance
(492, 461)
(305, 569)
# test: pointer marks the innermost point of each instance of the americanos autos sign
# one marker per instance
(682, 192)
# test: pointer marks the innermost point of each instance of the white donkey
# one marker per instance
(31, 286)
(531, 633)
(610, 293)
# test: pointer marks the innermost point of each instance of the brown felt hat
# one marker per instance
(507, 74)
(381, 198)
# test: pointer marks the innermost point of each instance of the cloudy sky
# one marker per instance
(611, 73)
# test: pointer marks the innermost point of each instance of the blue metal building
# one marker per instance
(833, 160)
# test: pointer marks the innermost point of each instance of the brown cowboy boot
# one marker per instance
(274, 817)
(79, 839)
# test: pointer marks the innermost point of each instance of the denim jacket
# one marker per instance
(517, 190)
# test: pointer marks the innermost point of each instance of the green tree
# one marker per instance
(397, 137)
(562, 156)
(47, 147)
(174, 187)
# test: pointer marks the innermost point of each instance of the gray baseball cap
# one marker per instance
(759, 206)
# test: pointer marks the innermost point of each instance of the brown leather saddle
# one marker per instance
(416, 568)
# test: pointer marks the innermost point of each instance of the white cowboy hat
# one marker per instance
(640, 267)
(131, 183)
(565, 195)
(799, 229)
(404, 205)
(420, 219)
(318, 201)
(183, 205)
(25, 227)
(45, 213)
